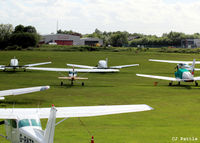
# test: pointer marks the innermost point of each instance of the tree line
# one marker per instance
(20, 37)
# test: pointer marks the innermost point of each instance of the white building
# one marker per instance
(65, 39)
(190, 43)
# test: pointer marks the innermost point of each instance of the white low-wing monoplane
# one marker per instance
(180, 64)
(14, 64)
(20, 91)
(102, 64)
(181, 75)
(23, 124)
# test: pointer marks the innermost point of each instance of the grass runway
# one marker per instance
(176, 109)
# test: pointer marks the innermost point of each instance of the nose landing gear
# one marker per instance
(196, 83)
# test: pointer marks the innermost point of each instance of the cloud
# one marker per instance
(143, 16)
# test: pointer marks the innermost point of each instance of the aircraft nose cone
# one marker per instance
(187, 75)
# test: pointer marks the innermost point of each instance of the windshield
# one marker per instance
(24, 123)
(35, 122)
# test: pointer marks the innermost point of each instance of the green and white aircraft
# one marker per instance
(181, 75)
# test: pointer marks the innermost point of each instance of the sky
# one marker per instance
(135, 16)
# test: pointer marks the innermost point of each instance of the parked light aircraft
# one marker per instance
(180, 64)
(72, 77)
(102, 64)
(14, 64)
(23, 124)
(19, 91)
(181, 74)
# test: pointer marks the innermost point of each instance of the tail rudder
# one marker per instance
(50, 128)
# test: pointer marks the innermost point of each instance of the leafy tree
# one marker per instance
(24, 39)
(119, 39)
(5, 33)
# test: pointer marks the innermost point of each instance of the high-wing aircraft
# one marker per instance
(180, 64)
(182, 74)
(14, 64)
(19, 91)
(23, 124)
(72, 77)
(102, 64)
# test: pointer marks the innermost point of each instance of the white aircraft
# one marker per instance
(72, 77)
(180, 64)
(181, 75)
(19, 91)
(14, 64)
(23, 124)
(102, 64)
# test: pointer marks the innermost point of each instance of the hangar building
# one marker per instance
(190, 43)
(65, 39)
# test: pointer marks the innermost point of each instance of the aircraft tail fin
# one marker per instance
(50, 128)
(192, 67)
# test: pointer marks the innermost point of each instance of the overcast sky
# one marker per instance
(141, 16)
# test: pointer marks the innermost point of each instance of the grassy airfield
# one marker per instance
(176, 109)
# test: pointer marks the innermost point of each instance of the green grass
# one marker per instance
(176, 109)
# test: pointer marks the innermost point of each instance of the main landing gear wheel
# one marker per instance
(170, 84)
(179, 83)
(83, 83)
(61, 83)
(196, 83)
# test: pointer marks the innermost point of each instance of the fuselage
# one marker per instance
(102, 64)
(25, 130)
(14, 62)
(184, 75)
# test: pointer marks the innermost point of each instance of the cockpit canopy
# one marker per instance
(29, 122)
(72, 73)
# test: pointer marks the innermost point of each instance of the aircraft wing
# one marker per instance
(176, 62)
(37, 64)
(123, 66)
(81, 78)
(196, 69)
(159, 77)
(66, 112)
(197, 78)
(81, 66)
(78, 70)
(64, 77)
(21, 91)
(2, 67)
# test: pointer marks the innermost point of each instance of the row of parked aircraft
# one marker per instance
(23, 124)
(102, 66)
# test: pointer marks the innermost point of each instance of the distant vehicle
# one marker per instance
(102, 64)
(52, 43)
(180, 64)
(23, 124)
(14, 64)
(72, 77)
(181, 75)
(20, 91)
